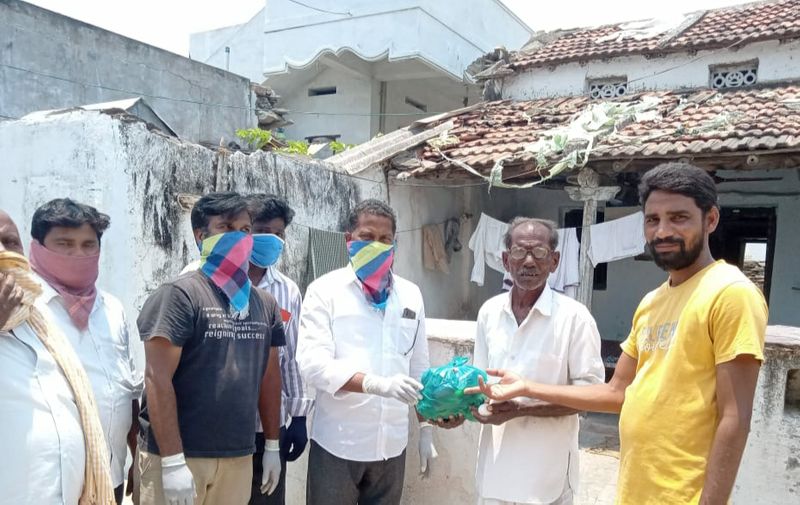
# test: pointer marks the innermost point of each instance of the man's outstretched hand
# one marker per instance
(511, 385)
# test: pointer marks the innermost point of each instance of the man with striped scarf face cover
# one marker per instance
(362, 346)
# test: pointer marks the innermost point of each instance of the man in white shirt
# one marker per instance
(42, 437)
(65, 254)
(528, 449)
(363, 347)
(271, 216)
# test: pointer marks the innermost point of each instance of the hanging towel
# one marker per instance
(434, 254)
(327, 251)
(617, 239)
(487, 246)
(568, 272)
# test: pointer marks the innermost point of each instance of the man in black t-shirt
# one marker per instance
(211, 365)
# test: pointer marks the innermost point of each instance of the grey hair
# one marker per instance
(518, 221)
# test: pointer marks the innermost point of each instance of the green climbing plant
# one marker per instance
(256, 138)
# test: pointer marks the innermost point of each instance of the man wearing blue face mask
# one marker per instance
(271, 216)
(362, 346)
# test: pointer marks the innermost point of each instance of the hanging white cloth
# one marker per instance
(487, 246)
(617, 239)
(568, 272)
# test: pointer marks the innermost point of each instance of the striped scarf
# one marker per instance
(372, 263)
(225, 259)
(97, 486)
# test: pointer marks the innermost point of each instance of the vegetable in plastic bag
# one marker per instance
(443, 390)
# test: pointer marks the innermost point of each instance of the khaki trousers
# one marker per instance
(217, 481)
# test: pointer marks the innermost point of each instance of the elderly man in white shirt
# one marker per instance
(528, 450)
(65, 253)
(42, 438)
(362, 346)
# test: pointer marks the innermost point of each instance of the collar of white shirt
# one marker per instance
(543, 305)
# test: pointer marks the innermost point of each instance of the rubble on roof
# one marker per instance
(675, 124)
(268, 114)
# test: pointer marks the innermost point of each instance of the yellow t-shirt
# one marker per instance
(669, 417)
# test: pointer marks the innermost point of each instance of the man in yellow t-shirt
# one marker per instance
(685, 382)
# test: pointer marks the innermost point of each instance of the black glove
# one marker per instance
(295, 439)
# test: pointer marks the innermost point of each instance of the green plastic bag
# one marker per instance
(443, 390)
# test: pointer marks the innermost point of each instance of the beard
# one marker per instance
(675, 260)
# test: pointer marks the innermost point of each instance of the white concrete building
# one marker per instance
(350, 69)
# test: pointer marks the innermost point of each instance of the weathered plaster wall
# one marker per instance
(136, 176)
(198, 101)
(776, 61)
(770, 471)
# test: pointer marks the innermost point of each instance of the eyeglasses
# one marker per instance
(520, 253)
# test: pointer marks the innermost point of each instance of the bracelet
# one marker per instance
(272, 445)
(174, 460)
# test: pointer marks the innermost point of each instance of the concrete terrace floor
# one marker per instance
(599, 443)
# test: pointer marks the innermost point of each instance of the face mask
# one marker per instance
(267, 249)
(73, 277)
(225, 259)
(372, 263)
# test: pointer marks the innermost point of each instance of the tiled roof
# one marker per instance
(710, 30)
(690, 123)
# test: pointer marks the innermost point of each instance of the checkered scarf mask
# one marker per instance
(225, 259)
(372, 263)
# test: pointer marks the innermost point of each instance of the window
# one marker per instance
(608, 87)
(417, 105)
(328, 90)
(322, 139)
(733, 76)
(574, 219)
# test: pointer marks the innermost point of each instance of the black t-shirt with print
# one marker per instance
(222, 363)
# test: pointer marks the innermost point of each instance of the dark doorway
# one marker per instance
(745, 237)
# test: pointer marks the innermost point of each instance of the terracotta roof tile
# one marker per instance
(714, 29)
(691, 123)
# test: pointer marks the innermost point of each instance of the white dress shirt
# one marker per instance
(533, 459)
(287, 294)
(41, 438)
(341, 334)
(104, 350)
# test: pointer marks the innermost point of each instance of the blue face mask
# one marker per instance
(267, 249)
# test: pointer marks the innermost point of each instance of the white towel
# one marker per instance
(487, 246)
(617, 239)
(568, 272)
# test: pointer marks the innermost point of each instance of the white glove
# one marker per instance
(399, 387)
(271, 467)
(177, 481)
(427, 452)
